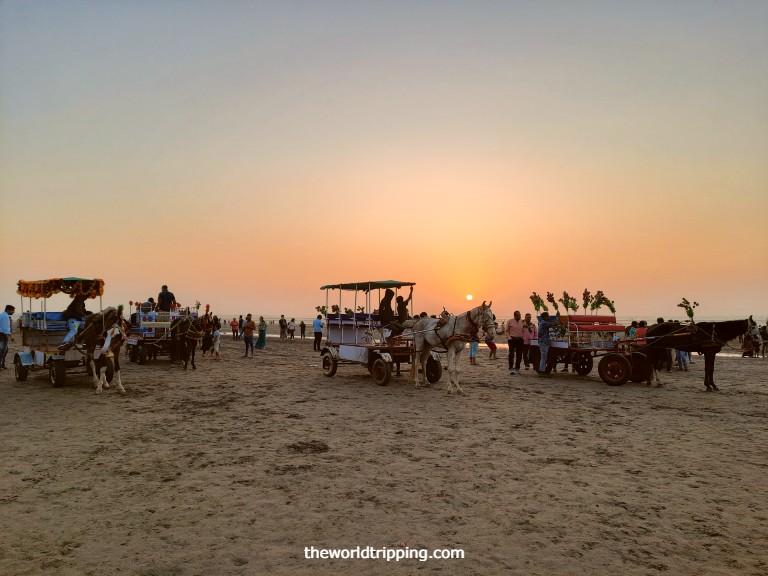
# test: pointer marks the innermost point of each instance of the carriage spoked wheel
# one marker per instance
(19, 370)
(330, 364)
(583, 364)
(641, 367)
(57, 372)
(614, 369)
(381, 372)
(434, 370)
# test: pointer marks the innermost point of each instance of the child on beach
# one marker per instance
(217, 344)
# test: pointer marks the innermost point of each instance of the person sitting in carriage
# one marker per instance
(387, 316)
(402, 307)
(74, 315)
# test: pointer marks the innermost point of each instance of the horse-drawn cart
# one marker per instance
(356, 335)
(579, 338)
(43, 332)
(150, 334)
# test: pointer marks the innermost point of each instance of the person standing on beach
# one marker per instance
(283, 327)
(544, 338)
(248, 327)
(303, 329)
(235, 326)
(261, 343)
(513, 328)
(240, 323)
(5, 333)
(217, 344)
(529, 333)
(317, 326)
(488, 338)
(292, 329)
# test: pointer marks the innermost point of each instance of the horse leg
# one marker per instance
(457, 371)
(709, 371)
(193, 358)
(451, 368)
(117, 373)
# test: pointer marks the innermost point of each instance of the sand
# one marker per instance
(236, 467)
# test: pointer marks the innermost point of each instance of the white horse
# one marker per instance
(452, 334)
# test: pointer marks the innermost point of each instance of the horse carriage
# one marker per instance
(356, 335)
(43, 333)
(580, 338)
(150, 334)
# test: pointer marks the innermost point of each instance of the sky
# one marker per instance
(246, 153)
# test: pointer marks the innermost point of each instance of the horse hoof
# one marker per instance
(715, 388)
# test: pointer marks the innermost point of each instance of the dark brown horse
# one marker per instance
(186, 332)
(705, 337)
(89, 335)
(111, 342)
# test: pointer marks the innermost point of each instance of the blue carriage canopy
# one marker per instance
(368, 285)
(90, 288)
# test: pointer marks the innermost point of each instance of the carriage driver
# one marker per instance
(165, 299)
(387, 316)
(74, 315)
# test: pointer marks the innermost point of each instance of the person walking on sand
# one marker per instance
(217, 344)
(317, 327)
(529, 333)
(248, 327)
(261, 343)
(544, 339)
(235, 326)
(302, 329)
(292, 329)
(513, 328)
(489, 337)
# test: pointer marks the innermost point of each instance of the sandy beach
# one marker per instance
(236, 467)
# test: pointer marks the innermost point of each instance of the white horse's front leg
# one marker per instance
(457, 371)
(451, 368)
(101, 380)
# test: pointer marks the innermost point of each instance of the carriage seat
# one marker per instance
(576, 327)
(54, 321)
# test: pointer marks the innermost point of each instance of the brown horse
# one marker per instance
(89, 334)
(186, 332)
(705, 337)
(111, 342)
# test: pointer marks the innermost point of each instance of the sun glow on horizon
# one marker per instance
(469, 296)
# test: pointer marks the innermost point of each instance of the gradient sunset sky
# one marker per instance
(246, 153)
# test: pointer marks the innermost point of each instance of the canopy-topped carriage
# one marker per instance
(356, 335)
(45, 334)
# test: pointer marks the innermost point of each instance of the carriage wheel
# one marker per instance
(584, 364)
(381, 372)
(641, 367)
(614, 369)
(20, 371)
(330, 364)
(434, 370)
(141, 354)
(57, 372)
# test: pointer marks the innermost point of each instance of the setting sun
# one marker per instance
(469, 296)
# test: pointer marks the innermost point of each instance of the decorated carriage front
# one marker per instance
(577, 339)
(356, 335)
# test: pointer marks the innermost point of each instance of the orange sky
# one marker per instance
(247, 156)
